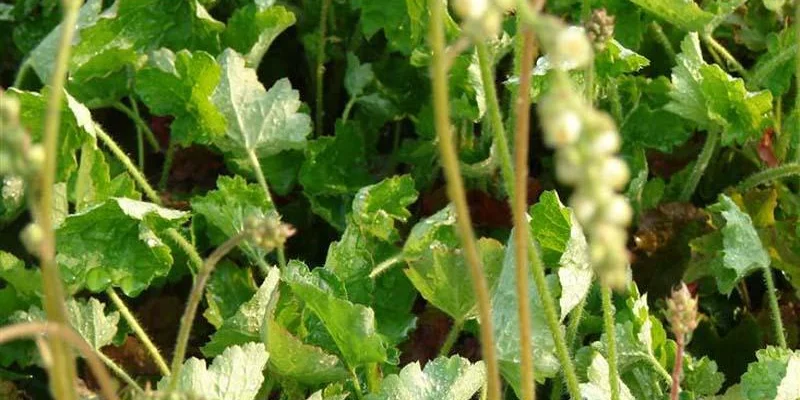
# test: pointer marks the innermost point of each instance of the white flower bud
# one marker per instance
(572, 48)
(491, 23)
(471, 9)
(605, 143)
(564, 129)
(617, 211)
(568, 167)
(13, 189)
(615, 173)
(583, 207)
(32, 236)
(505, 5)
(36, 156)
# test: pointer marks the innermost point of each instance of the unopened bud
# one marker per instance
(572, 48)
(600, 28)
(563, 130)
(615, 173)
(31, 237)
(36, 156)
(682, 311)
(268, 232)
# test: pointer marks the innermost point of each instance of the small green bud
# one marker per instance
(268, 232)
(32, 236)
(36, 156)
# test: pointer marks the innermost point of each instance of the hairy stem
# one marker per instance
(187, 248)
(63, 375)
(356, 384)
(452, 337)
(133, 114)
(320, 68)
(139, 331)
(128, 164)
(385, 265)
(495, 119)
(457, 194)
(65, 334)
(167, 167)
(348, 107)
(663, 40)
(665, 375)
(611, 340)
(769, 175)
(774, 308)
(120, 372)
(722, 51)
(194, 301)
(700, 166)
(675, 390)
(519, 208)
(262, 180)
(575, 317)
(139, 138)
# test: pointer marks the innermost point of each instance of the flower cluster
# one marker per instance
(483, 17)
(682, 311)
(268, 232)
(586, 141)
(600, 28)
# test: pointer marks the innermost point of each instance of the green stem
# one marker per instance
(133, 114)
(62, 374)
(611, 340)
(457, 194)
(356, 384)
(616, 103)
(120, 372)
(128, 164)
(772, 295)
(139, 137)
(663, 40)
(660, 369)
(576, 315)
(167, 167)
(139, 331)
(519, 207)
(348, 107)
(452, 337)
(22, 73)
(262, 181)
(732, 61)
(320, 69)
(373, 378)
(187, 248)
(495, 119)
(193, 302)
(769, 175)
(700, 166)
(385, 265)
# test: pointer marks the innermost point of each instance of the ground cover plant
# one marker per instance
(374, 199)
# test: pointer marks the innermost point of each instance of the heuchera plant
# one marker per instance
(362, 199)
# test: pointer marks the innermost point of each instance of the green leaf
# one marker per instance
(226, 210)
(75, 119)
(90, 321)
(244, 326)
(180, 85)
(93, 183)
(700, 376)
(637, 129)
(228, 288)
(290, 357)
(575, 271)
(712, 99)
(336, 165)
(773, 376)
(550, 225)
(22, 286)
(598, 387)
(234, 375)
(444, 378)
(505, 320)
(352, 326)
(685, 15)
(258, 121)
(357, 76)
(252, 28)
(376, 207)
(438, 268)
(115, 244)
(616, 60)
(774, 70)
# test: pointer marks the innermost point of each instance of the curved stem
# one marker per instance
(519, 206)
(320, 69)
(128, 164)
(167, 167)
(700, 166)
(769, 175)
(64, 333)
(194, 301)
(133, 114)
(133, 323)
(347, 108)
(774, 308)
(187, 248)
(120, 372)
(675, 390)
(660, 369)
(452, 337)
(722, 51)
(611, 340)
(385, 265)
(663, 40)
(63, 377)
(262, 180)
(457, 194)
(495, 119)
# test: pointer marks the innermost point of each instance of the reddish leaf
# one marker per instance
(765, 150)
